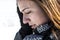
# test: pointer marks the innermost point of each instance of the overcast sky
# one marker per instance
(9, 20)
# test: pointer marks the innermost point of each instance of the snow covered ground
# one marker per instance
(9, 20)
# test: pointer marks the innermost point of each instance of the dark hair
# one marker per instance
(25, 28)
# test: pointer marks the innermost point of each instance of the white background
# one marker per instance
(9, 20)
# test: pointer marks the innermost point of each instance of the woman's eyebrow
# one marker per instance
(25, 9)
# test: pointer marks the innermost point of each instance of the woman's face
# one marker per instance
(32, 13)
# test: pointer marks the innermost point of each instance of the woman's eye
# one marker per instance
(28, 12)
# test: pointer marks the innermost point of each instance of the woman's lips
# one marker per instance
(33, 26)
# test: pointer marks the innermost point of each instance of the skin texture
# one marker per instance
(32, 13)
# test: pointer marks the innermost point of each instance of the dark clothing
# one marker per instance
(34, 37)
(40, 33)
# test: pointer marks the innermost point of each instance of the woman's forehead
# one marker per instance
(26, 4)
(23, 0)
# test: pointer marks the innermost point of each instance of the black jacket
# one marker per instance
(46, 35)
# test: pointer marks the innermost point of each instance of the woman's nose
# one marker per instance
(25, 19)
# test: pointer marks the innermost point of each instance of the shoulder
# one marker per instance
(18, 36)
(39, 37)
(33, 37)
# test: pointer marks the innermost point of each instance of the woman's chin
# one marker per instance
(34, 26)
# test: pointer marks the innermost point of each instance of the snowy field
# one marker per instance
(9, 20)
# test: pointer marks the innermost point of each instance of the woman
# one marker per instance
(40, 20)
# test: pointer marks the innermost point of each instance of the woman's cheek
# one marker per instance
(34, 18)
